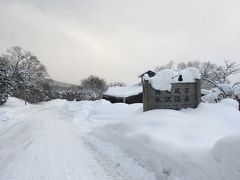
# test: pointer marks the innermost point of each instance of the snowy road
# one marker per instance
(45, 145)
(97, 140)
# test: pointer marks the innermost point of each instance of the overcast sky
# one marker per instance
(119, 39)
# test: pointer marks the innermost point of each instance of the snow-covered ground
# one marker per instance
(61, 140)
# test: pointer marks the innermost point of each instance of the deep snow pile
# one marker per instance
(200, 143)
(13, 112)
(48, 142)
(89, 114)
(190, 144)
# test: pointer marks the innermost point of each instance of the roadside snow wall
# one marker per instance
(190, 144)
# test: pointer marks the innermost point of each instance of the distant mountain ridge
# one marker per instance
(60, 85)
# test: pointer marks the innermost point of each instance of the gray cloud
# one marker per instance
(118, 40)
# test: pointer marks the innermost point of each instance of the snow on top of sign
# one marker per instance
(146, 77)
(163, 79)
(124, 91)
(189, 74)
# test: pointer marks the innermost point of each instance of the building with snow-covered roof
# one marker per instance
(134, 93)
(129, 94)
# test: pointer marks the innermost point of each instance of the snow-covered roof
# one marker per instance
(124, 91)
(163, 79)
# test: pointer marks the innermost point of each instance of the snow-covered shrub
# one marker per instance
(222, 91)
(236, 90)
(225, 152)
(211, 97)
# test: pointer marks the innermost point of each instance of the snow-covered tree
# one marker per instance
(236, 90)
(93, 87)
(27, 74)
(212, 74)
(6, 85)
(229, 68)
(169, 65)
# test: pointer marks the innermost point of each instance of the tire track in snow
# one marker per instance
(114, 160)
(47, 146)
(10, 128)
(112, 169)
(46, 149)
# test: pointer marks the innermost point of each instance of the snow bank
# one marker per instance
(89, 114)
(230, 102)
(13, 106)
(190, 144)
(185, 129)
(14, 102)
(226, 153)
(124, 91)
(183, 145)
(163, 79)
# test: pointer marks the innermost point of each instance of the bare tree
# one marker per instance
(229, 68)
(93, 87)
(120, 84)
(211, 73)
(169, 65)
(181, 65)
(24, 61)
(27, 73)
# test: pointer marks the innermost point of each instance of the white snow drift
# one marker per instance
(100, 140)
(190, 144)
